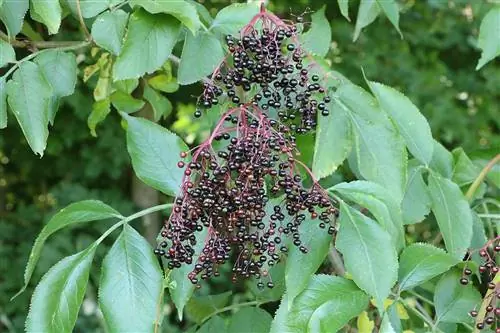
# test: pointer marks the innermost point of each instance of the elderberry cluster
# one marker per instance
(488, 270)
(267, 65)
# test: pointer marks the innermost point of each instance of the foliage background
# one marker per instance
(433, 65)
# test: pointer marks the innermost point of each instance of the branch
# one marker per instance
(82, 22)
(480, 178)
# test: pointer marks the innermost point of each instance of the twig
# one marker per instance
(336, 261)
(82, 22)
(230, 307)
(29, 44)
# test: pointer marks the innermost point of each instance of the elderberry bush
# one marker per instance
(272, 98)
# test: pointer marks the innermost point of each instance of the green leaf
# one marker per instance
(28, 94)
(334, 141)
(126, 86)
(277, 272)
(383, 207)
(100, 111)
(318, 38)
(160, 104)
(391, 10)
(386, 326)
(442, 160)
(180, 9)
(478, 237)
(150, 38)
(57, 298)
(91, 8)
(154, 152)
(453, 301)
(192, 67)
(78, 212)
(131, 276)
(488, 40)
(7, 54)
(452, 213)
(312, 310)
(12, 15)
(416, 202)
(184, 288)
(250, 320)
(464, 171)
(301, 266)
(229, 20)
(379, 151)
(3, 104)
(199, 308)
(344, 8)
(421, 262)
(367, 13)
(163, 82)
(126, 103)
(410, 122)
(369, 254)
(108, 30)
(48, 12)
(215, 325)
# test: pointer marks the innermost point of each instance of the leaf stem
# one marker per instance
(480, 178)
(428, 301)
(82, 22)
(425, 318)
(231, 307)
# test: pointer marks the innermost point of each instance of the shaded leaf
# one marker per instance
(318, 38)
(59, 295)
(410, 122)
(160, 104)
(100, 111)
(48, 12)
(150, 38)
(421, 262)
(488, 40)
(344, 8)
(132, 277)
(367, 13)
(28, 95)
(199, 308)
(442, 160)
(464, 171)
(416, 202)
(126, 103)
(391, 10)
(7, 54)
(154, 152)
(3, 103)
(12, 15)
(108, 30)
(369, 255)
(215, 324)
(452, 213)
(229, 20)
(91, 8)
(192, 67)
(250, 320)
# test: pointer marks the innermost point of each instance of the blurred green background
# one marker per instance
(434, 65)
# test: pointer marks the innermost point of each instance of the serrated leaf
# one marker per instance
(12, 15)
(369, 255)
(383, 207)
(192, 67)
(391, 10)
(229, 20)
(199, 308)
(57, 298)
(312, 310)
(154, 152)
(301, 266)
(3, 103)
(318, 38)
(379, 151)
(28, 95)
(488, 40)
(184, 287)
(333, 142)
(416, 202)
(215, 324)
(48, 12)
(7, 54)
(160, 104)
(453, 301)
(131, 276)
(108, 30)
(250, 320)
(149, 38)
(126, 103)
(367, 13)
(452, 213)
(180, 9)
(78, 212)
(411, 123)
(344, 8)
(421, 262)
(163, 82)
(442, 160)
(100, 111)
(464, 171)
